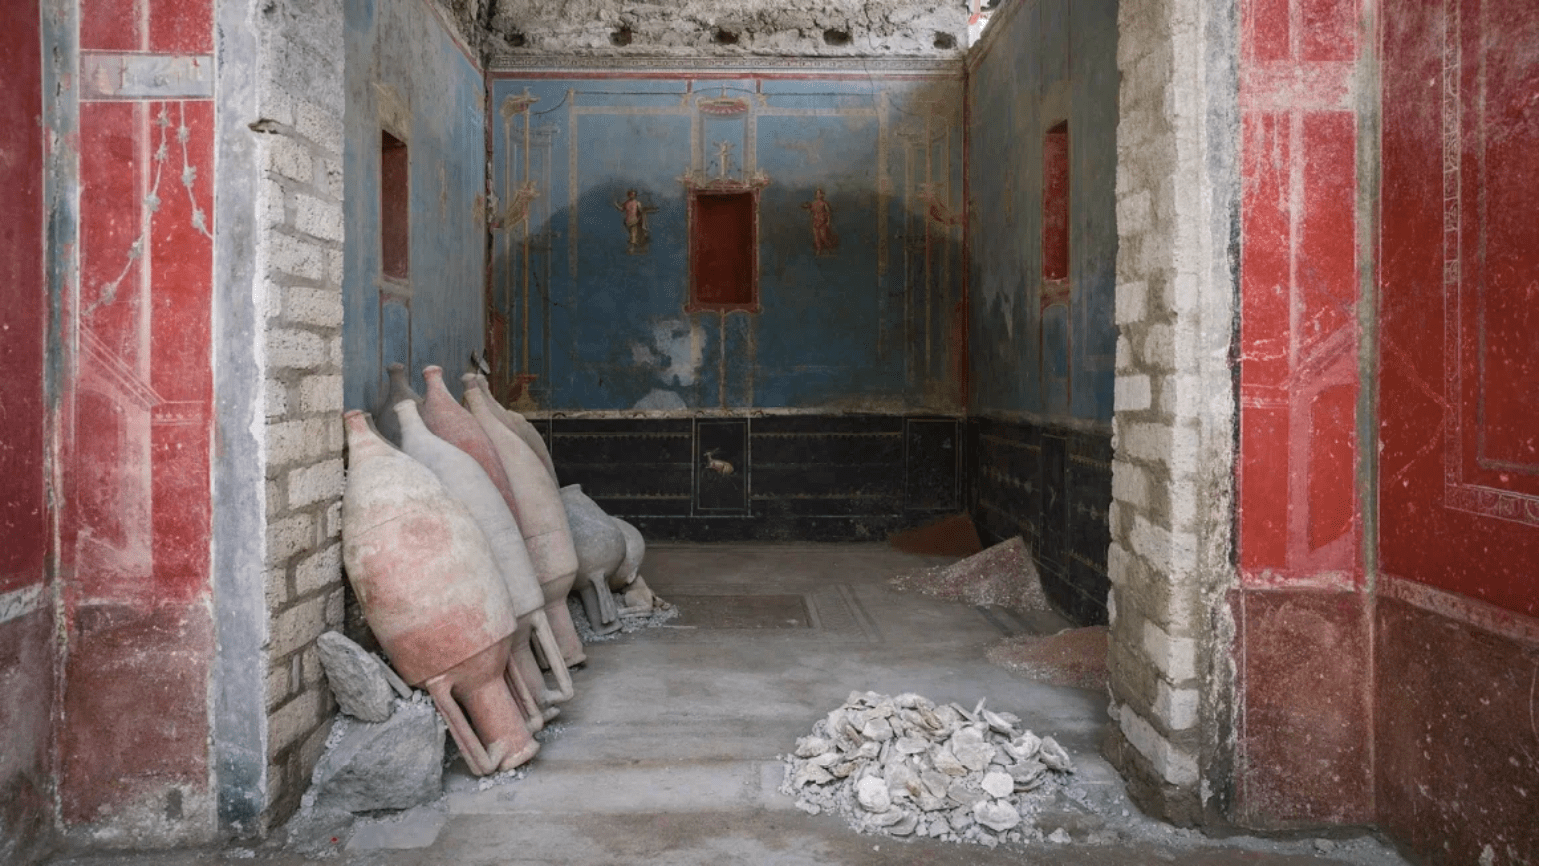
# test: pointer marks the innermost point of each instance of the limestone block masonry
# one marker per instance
(1169, 562)
(298, 281)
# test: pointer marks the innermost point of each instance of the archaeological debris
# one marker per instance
(1003, 574)
(908, 767)
(655, 614)
(1076, 657)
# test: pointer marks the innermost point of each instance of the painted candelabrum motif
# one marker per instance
(634, 218)
(821, 221)
(938, 210)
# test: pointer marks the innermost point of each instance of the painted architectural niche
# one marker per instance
(723, 216)
(1055, 247)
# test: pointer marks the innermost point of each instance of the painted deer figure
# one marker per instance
(721, 467)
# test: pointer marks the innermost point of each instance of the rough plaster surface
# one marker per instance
(839, 28)
(1170, 629)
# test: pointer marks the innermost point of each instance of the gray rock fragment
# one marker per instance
(356, 678)
(395, 764)
(944, 760)
(811, 774)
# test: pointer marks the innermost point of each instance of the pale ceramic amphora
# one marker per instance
(465, 480)
(541, 518)
(426, 580)
(636, 597)
(397, 390)
(601, 549)
(514, 421)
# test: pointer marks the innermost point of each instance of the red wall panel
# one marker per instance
(22, 517)
(1056, 209)
(1458, 365)
(26, 634)
(1299, 509)
(181, 26)
(1303, 635)
(135, 439)
(112, 25)
(723, 272)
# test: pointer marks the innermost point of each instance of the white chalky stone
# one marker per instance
(997, 784)
(997, 815)
(878, 729)
(873, 794)
(945, 761)
(808, 747)
(1054, 756)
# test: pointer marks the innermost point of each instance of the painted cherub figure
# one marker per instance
(821, 218)
(634, 217)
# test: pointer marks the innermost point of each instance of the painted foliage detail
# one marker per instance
(634, 218)
(821, 220)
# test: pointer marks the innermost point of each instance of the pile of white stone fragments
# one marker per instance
(905, 766)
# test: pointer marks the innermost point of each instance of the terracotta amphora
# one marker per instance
(514, 421)
(542, 520)
(465, 480)
(451, 422)
(430, 592)
(397, 390)
(601, 548)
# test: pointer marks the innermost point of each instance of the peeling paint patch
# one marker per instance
(18, 603)
(677, 348)
(660, 400)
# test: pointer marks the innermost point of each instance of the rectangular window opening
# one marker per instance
(723, 255)
(1056, 247)
(395, 235)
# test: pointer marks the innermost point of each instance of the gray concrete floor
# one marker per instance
(669, 753)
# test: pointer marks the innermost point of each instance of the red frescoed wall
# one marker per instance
(26, 621)
(1300, 515)
(1399, 697)
(1456, 613)
(1459, 299)
(1304, 715)
(135, 421)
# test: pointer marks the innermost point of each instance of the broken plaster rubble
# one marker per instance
(907, 767)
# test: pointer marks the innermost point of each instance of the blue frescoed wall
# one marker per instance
(1033, 351)
(408, 76)
(1038, 443)
(585, 316)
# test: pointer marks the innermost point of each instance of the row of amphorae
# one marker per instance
(462, 549)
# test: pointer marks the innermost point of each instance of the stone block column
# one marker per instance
(300, 280)
(1174, 407)
(280, 383)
